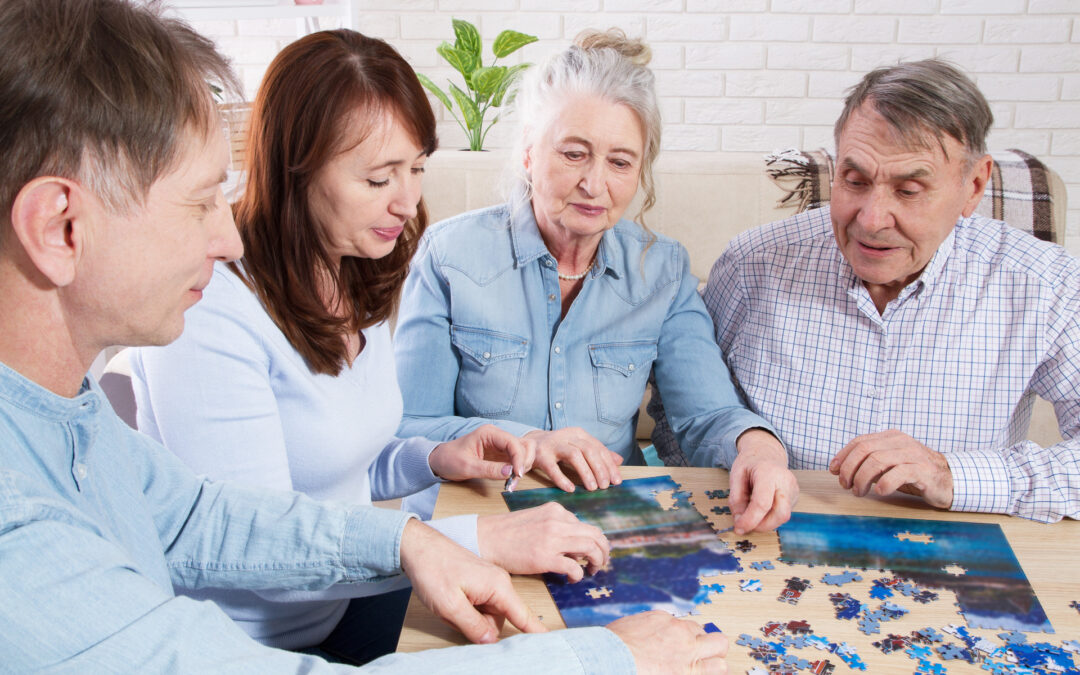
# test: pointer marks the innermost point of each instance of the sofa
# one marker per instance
(705, 199)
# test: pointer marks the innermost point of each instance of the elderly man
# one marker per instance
(111, 216)
(893, 337)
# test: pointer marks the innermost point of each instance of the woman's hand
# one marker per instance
(487, 452)
(594, 463)
(544, 538)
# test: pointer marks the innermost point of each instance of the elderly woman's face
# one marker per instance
(585, 168)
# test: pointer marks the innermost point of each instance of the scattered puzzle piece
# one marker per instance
(840, 579)
(711, 628)
(717, 494)
(1075, 605)
(880, 592)
(868, 625)
(799, 627)
(919, 652)
(745, 546)
(762, 565)
(722, 510)
(822, 667)
(750, 584)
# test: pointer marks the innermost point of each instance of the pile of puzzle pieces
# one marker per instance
(777, 654)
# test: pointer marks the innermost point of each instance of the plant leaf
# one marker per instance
(456, 58)
(509, 41)
(434, 89)
(510, 77)
(467, 41)
(468, 107)
(485, 81)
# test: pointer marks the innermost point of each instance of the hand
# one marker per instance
(544, 538)
(661, 643)
(763, 489)
(487, 452)
(594, 463)
(467, 592)
(895, 461)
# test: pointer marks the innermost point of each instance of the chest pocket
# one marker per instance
(620, 371)
(491, 365)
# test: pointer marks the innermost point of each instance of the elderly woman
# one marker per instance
(545, 315)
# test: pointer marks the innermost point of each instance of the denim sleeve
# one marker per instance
(700, 401)
(427, 363)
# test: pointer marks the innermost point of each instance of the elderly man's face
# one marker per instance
(585, 168)
(893, 205)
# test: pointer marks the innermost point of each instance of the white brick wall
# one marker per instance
(756, 75)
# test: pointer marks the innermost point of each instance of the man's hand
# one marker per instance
(661, 643)
(469, 593)
(487, 452)
(763, 489)
(544, 538)
(895, 461)
(594, 463)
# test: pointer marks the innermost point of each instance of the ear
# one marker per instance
(975, 183)
(42, 221)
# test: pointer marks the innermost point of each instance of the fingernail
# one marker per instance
(506, 470)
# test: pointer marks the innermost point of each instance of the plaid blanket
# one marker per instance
(1018, 193)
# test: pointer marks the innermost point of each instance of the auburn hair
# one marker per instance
(306, 112)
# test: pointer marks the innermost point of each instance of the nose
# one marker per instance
(405, 202)
(593, 178)
(225, 241)
(875, 213)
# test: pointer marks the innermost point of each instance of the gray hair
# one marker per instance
(605, 64)
(924, 99)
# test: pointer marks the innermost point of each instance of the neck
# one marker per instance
(36, 340)
(574, 253)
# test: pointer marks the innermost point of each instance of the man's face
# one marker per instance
(144, 268)
(893, 205)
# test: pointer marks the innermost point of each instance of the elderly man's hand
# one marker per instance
(487, 452)
(545, 538)
(661, 643)
(594, 463)
(895, 461)
(469, 593)
(763, 489)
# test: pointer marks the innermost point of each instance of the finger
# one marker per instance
(761, 501)
(860, 449)
(714, 666)
(564, 565)
(574, 457)
(778, 515)
(506, 603)
(872, 468)
(520, 454)
(739, 492)
(710, 646)
(474, 625)
(589, 549)
(551, 467)
(897, 477)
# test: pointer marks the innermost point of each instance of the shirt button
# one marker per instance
(551, 297)
(487, 355)
(558, 350)
(630, 367)
(547, 263)
(80, 470)
(558, 405)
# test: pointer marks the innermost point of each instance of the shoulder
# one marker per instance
(466, 230)
(802, 231)
(998, 248)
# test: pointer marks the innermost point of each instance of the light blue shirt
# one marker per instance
(480, 338)
(955, 361)
(98, 522)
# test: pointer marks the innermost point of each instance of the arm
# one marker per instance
(427, 363)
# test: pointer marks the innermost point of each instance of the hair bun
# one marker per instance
(633, 49)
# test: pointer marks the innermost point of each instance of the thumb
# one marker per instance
(487, 469)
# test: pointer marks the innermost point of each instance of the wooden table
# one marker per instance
(1049, 555)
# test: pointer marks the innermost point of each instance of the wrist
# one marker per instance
(762, 445)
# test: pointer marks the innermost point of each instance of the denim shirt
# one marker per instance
(98, 522)
(480, 338)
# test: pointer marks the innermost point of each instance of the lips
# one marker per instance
(388, 233)
(589, 209)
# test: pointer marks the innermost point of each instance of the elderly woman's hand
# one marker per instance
(594, 463)
(763, 489)
(545, 538)
(487, 452)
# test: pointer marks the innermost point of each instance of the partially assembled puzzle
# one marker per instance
(666, 555)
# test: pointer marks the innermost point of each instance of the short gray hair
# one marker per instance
(605, 64)
(920, 99)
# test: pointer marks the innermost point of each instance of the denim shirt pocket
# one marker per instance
(620, 371)
(491, 365)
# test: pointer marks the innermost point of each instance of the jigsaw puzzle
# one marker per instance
(660, 545)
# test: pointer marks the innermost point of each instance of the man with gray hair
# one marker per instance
(111, 217)
(897, 339)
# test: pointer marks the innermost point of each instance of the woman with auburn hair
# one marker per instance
(284, 376)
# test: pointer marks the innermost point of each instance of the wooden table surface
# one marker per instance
(1049, 555)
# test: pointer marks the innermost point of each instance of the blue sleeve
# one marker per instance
(702, 405)
(427, 363)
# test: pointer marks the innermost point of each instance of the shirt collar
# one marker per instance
(528, 245)
(31, 396)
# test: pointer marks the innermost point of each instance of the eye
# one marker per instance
(418, 170)
(378, 184)
(621, 163)
(573, 155)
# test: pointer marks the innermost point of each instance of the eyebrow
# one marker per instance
(396, 162)
(212, 183)
(585, 142)
(920, 172)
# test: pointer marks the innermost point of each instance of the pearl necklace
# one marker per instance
(576, 277)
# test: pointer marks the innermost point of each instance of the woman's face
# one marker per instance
(363, 196)
(585, 168)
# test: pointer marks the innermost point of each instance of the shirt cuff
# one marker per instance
(371, 542)
(980, 482)
(462, 530)
(723, 447)
(600, 651)
(414, 462)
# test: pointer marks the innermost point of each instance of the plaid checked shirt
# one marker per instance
(955, 361)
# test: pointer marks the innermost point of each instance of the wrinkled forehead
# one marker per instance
(887, 137)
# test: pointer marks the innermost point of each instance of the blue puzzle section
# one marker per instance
(994, 593)
(657, 555)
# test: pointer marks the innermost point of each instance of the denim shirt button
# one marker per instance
(547, 263)
(558, 350)
(551, 297)
(80, 470)
(558, 405)
(630, 367)
(487, 355)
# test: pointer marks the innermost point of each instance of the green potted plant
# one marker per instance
(486, 87)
